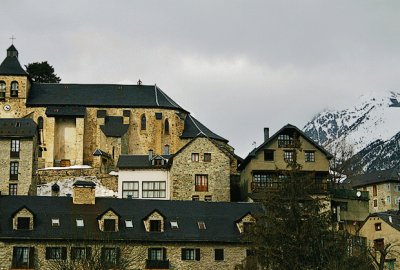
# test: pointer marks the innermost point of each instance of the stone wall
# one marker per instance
(183, 171)
(134, 255)
(384, 190)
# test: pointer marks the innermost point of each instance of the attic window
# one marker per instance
(23, 223)
(79, 222)
(109, 225)
(174, 225)
(201, 224)
(378, 226)
(55, 222)
(128, 223)
(155, 225)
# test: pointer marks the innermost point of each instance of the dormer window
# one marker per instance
(80, 223)
(201, 225)
(108, 221)
(246, 223)
(154, 222)
(55, 222)
(155, 225)
(14, 89)
(2, 90)
(109, 225)
(23, 223)
(174, 225)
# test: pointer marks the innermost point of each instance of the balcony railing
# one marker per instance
(157, 264)
(313, 188)
(14, 154)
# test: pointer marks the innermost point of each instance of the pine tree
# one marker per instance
(42, 72)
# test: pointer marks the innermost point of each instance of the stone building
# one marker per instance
(41, 232)
(76, 121)
(382, 230)
(265, 167)
(201, 170)
(18, 156)
(383, 187)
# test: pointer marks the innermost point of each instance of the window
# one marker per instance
(195, 157)
(14, 89)
(15, 145)
(56, 253)
(387, 186)
(269, 155)
(201, 225)
(130, 189)
(378, 226)
(109, 256)
(166, 150)
(374, 190)
(156, 189)
(190, 254)
(288, 156)
(2, 90)
(14, 170)
(397, 200)
(247, 227)
(201, 182)
(143, 122)
(155, 225)
(309, 156)
(379, 244)
(262, 180)
(166, 126)
(398, 188)
(195, 197)
(55, 222)
(128, 223)
(80, 253)
(23, 223)
(174, 225)
(375, 203)
(388, 200)
(207, 157)
(12, 189)
(208, 198)
(285, 140)
(157, 254)
(219, 254)
(79, 222)
(23, 257)
(109, 225)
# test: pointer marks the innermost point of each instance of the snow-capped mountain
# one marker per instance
(371, 127)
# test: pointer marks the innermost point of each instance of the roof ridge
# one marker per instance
(155, 94)
(201, 131)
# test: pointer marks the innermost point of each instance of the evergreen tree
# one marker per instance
(42, 72)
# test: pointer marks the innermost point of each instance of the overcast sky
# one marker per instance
(237, 66)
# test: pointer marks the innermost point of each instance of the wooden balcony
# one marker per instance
(312, 188)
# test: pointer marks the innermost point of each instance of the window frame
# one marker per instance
(27, 254)
(166, 127)
(13, 189)
(285, 141)
(3, 89)
(15, 148)
(56, 253)
(288, 155)
(143, 122)
(195, 157)
(269, 155)
(14, 89)
(190, 254)
(378, 226)
(156, 254)
(80, 253)
(160, 192)
(23, 223)
(111, 225)
(130, 192)
(14, 170)
(208, 155)
(309, 156)
(219, 254)
(155, 225)
(201, 182)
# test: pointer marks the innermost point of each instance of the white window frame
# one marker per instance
(130, 188)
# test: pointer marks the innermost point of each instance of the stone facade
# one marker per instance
(383, 196)
(184, 171)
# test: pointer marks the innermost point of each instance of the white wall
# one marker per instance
(141, 176)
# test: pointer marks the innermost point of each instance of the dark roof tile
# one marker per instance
(17, 127)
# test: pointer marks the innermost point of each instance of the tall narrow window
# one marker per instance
(2, 90)
(143, 122)
(207, 157)
(23, 258)
(201, 182)
(374, 190)
(166, 149)
(15, 148)
(12, 189)
(166, 126)
(14, 170)
(14, 89)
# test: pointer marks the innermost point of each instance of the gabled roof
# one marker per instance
(139, 162)
(17, 128)
(99, 152)
(114, 126)
(253, 153)
(152, 212)
(390, 217)
(376, 177)
(99, 95)
(21, 208)
(193, 128)
(220, 218)
(11, 65)
(107, 210)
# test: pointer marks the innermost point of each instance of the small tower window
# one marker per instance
(14, 89)
(166, 150)
(2, 90)
(143, 122)
(166, 126)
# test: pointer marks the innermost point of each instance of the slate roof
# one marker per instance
(114, 126)
(253, 153)
(386, 216)
(17, 128)
(99, 95)
(376, 177)
(65, 111)
(138, 162)
(11, 65)
(219, 218)
(193, 128)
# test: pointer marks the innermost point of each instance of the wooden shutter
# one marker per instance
(149, 253)
(14, 260)
(103, 255)
(183, 251)
(197, 250)
(88, 252)
(73, 253)
(164, 254)
(63, 253)
(117, 255)
(47, 253)
(31, 257)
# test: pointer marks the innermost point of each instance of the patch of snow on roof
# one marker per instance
(66, 168)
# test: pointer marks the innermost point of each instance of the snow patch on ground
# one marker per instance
(67, 168)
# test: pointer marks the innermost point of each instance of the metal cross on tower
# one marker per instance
(12, 39)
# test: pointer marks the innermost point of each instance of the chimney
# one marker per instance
(55, 190)
(84, 192)
(266, 134)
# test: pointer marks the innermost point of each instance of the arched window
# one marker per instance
(143, 122)
(14, 89)
(166, 127)
(2, 90)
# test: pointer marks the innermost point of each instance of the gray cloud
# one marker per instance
(236, 65)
